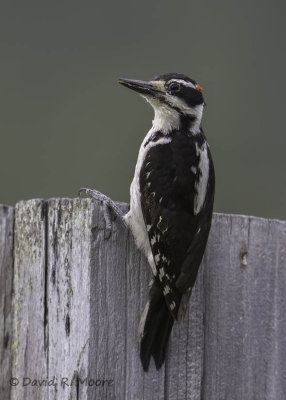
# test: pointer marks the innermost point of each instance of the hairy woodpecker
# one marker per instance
(172, 195)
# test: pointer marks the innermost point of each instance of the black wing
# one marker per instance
(177, 236)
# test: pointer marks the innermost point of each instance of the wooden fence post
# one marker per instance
(77, 300)
(6, 274)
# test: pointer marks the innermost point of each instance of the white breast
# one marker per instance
(134, 218)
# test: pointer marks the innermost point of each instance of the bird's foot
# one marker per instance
(108, 207)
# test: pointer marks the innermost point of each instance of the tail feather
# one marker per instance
(156, 325)
(159, 347)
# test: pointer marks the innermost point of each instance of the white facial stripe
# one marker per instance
(184, 83)
(160, 85)
(177, 102)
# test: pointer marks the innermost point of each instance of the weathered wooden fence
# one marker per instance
(71, 301)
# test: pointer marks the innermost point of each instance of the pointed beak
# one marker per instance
(142, 87)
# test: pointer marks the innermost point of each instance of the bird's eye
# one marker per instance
(174, 87)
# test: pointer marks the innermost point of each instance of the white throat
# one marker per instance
(167, 118)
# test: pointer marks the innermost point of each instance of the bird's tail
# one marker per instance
(154, 328)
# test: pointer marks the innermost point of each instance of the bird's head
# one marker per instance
(177, 100)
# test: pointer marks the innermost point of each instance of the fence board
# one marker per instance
(6, 275)
(29, 355)
(78, 299)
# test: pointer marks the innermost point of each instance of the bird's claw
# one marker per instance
(81, 190)
(108, 206)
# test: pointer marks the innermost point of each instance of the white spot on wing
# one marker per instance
(157, 258)
(166, 290)
(161, 273)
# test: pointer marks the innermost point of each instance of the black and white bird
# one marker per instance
(171, 203)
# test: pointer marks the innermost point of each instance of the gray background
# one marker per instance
(66, 123)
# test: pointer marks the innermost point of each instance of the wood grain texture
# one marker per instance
(245, 309)
(69, 237)
(78, 299)
(6, 275)
(29, 350)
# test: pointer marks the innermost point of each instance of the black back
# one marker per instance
(177, 236)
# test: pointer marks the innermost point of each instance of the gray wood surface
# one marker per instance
(29, 355)
(78, 299)
(6, 274)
